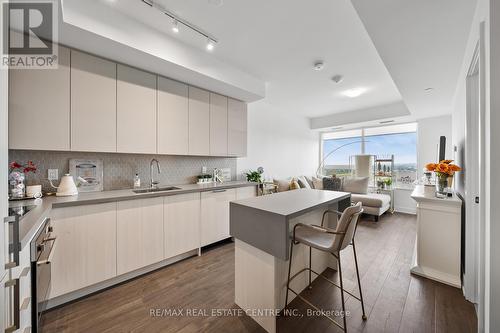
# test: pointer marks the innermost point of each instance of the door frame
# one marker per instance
(473, 287)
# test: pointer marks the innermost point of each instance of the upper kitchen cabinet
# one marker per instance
(218, 125)
(236, 127)
(135, 111)
(93, 103)
(199, 121)
(39, 106)
(173, 117)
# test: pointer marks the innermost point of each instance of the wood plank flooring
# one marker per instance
(395, 301)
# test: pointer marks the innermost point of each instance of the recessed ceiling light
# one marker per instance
(210, 44)
(175, 26)
(318, 65)
(337, 128)
(352, 93)
(337, 78)
(429, 89)
(386, 121)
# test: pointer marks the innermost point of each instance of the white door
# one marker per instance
(474, 181)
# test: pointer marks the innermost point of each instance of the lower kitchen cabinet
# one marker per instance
(139, 237)
(181, 223)
(215, 215)
(85, 249)
(246, 192)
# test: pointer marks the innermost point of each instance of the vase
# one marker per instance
(441, 183)
(16, 185)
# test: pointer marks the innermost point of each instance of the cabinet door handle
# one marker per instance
(218, 191)
(15, 247)
(16, 305)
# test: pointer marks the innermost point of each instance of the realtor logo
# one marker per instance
(29, 31)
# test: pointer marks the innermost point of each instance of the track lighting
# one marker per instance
(175, 26)
(210, 44)
(177, 20)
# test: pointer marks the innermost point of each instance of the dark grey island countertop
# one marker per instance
(31, 222)
(263, 222)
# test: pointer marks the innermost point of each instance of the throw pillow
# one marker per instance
(294, 185)
(357, 185)
(303, 182)
(317, 183)
(282, 184)
(332, 184)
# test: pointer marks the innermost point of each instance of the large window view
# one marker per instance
(396, 142)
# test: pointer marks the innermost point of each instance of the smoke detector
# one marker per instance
(338, 78)
(318, 65)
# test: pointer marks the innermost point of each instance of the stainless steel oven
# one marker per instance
(42, 249)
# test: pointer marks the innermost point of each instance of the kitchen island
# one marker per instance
(261, 227)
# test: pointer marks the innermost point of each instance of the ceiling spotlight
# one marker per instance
(352, 93)
(429, 89)
(210, 44)
(175, 26)
(318, 65)
(338, 78)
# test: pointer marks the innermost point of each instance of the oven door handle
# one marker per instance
(15, 247)
(51, 254)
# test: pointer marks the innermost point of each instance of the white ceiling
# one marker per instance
(278, 41)
(422, 44)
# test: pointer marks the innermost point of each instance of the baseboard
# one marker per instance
(405, 210)
(88, 291)
(432, 274)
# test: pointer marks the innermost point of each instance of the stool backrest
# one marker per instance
(347, 224)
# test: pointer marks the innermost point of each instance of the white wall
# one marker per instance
(489, 305)
(281, 143)
(429, 131)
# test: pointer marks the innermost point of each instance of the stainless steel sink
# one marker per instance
(156, 189)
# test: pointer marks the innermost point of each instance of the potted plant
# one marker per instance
(444, 171)
(255, 176)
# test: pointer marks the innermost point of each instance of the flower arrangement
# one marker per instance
(25, 168)
(444, 168)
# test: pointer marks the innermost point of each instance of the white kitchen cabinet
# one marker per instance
(246, 192)
(39, 106)
(218, 125)
(173, 117)
(85, 253)
(199, 121)
(93, 103)
(215, 215)
(135, 111)
(237, 127)
(181, 223)
(139, 234)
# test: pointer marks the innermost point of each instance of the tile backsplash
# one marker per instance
(119, 169)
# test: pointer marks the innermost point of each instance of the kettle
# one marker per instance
(67, 186)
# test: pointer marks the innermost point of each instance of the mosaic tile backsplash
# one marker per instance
(119, 169)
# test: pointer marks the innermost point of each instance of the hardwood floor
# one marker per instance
(395, 301)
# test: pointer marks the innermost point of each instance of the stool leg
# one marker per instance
(289, 269)
(342, 294)
(359, 281)
(310, 266)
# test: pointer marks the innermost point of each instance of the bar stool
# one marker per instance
(333, 242)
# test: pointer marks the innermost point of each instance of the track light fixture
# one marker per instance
(176, 21)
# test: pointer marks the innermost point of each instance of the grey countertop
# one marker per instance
(31, 222)
(264, 222)
(292, 203)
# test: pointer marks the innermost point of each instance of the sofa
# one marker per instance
(374, 204)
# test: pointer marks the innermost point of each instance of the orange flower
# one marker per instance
(445, 161)
(454, 167)
(431, 166)
(443, 168)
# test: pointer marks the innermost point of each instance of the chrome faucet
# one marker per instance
(153, 182)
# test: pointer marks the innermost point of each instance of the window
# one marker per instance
(383, 142)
